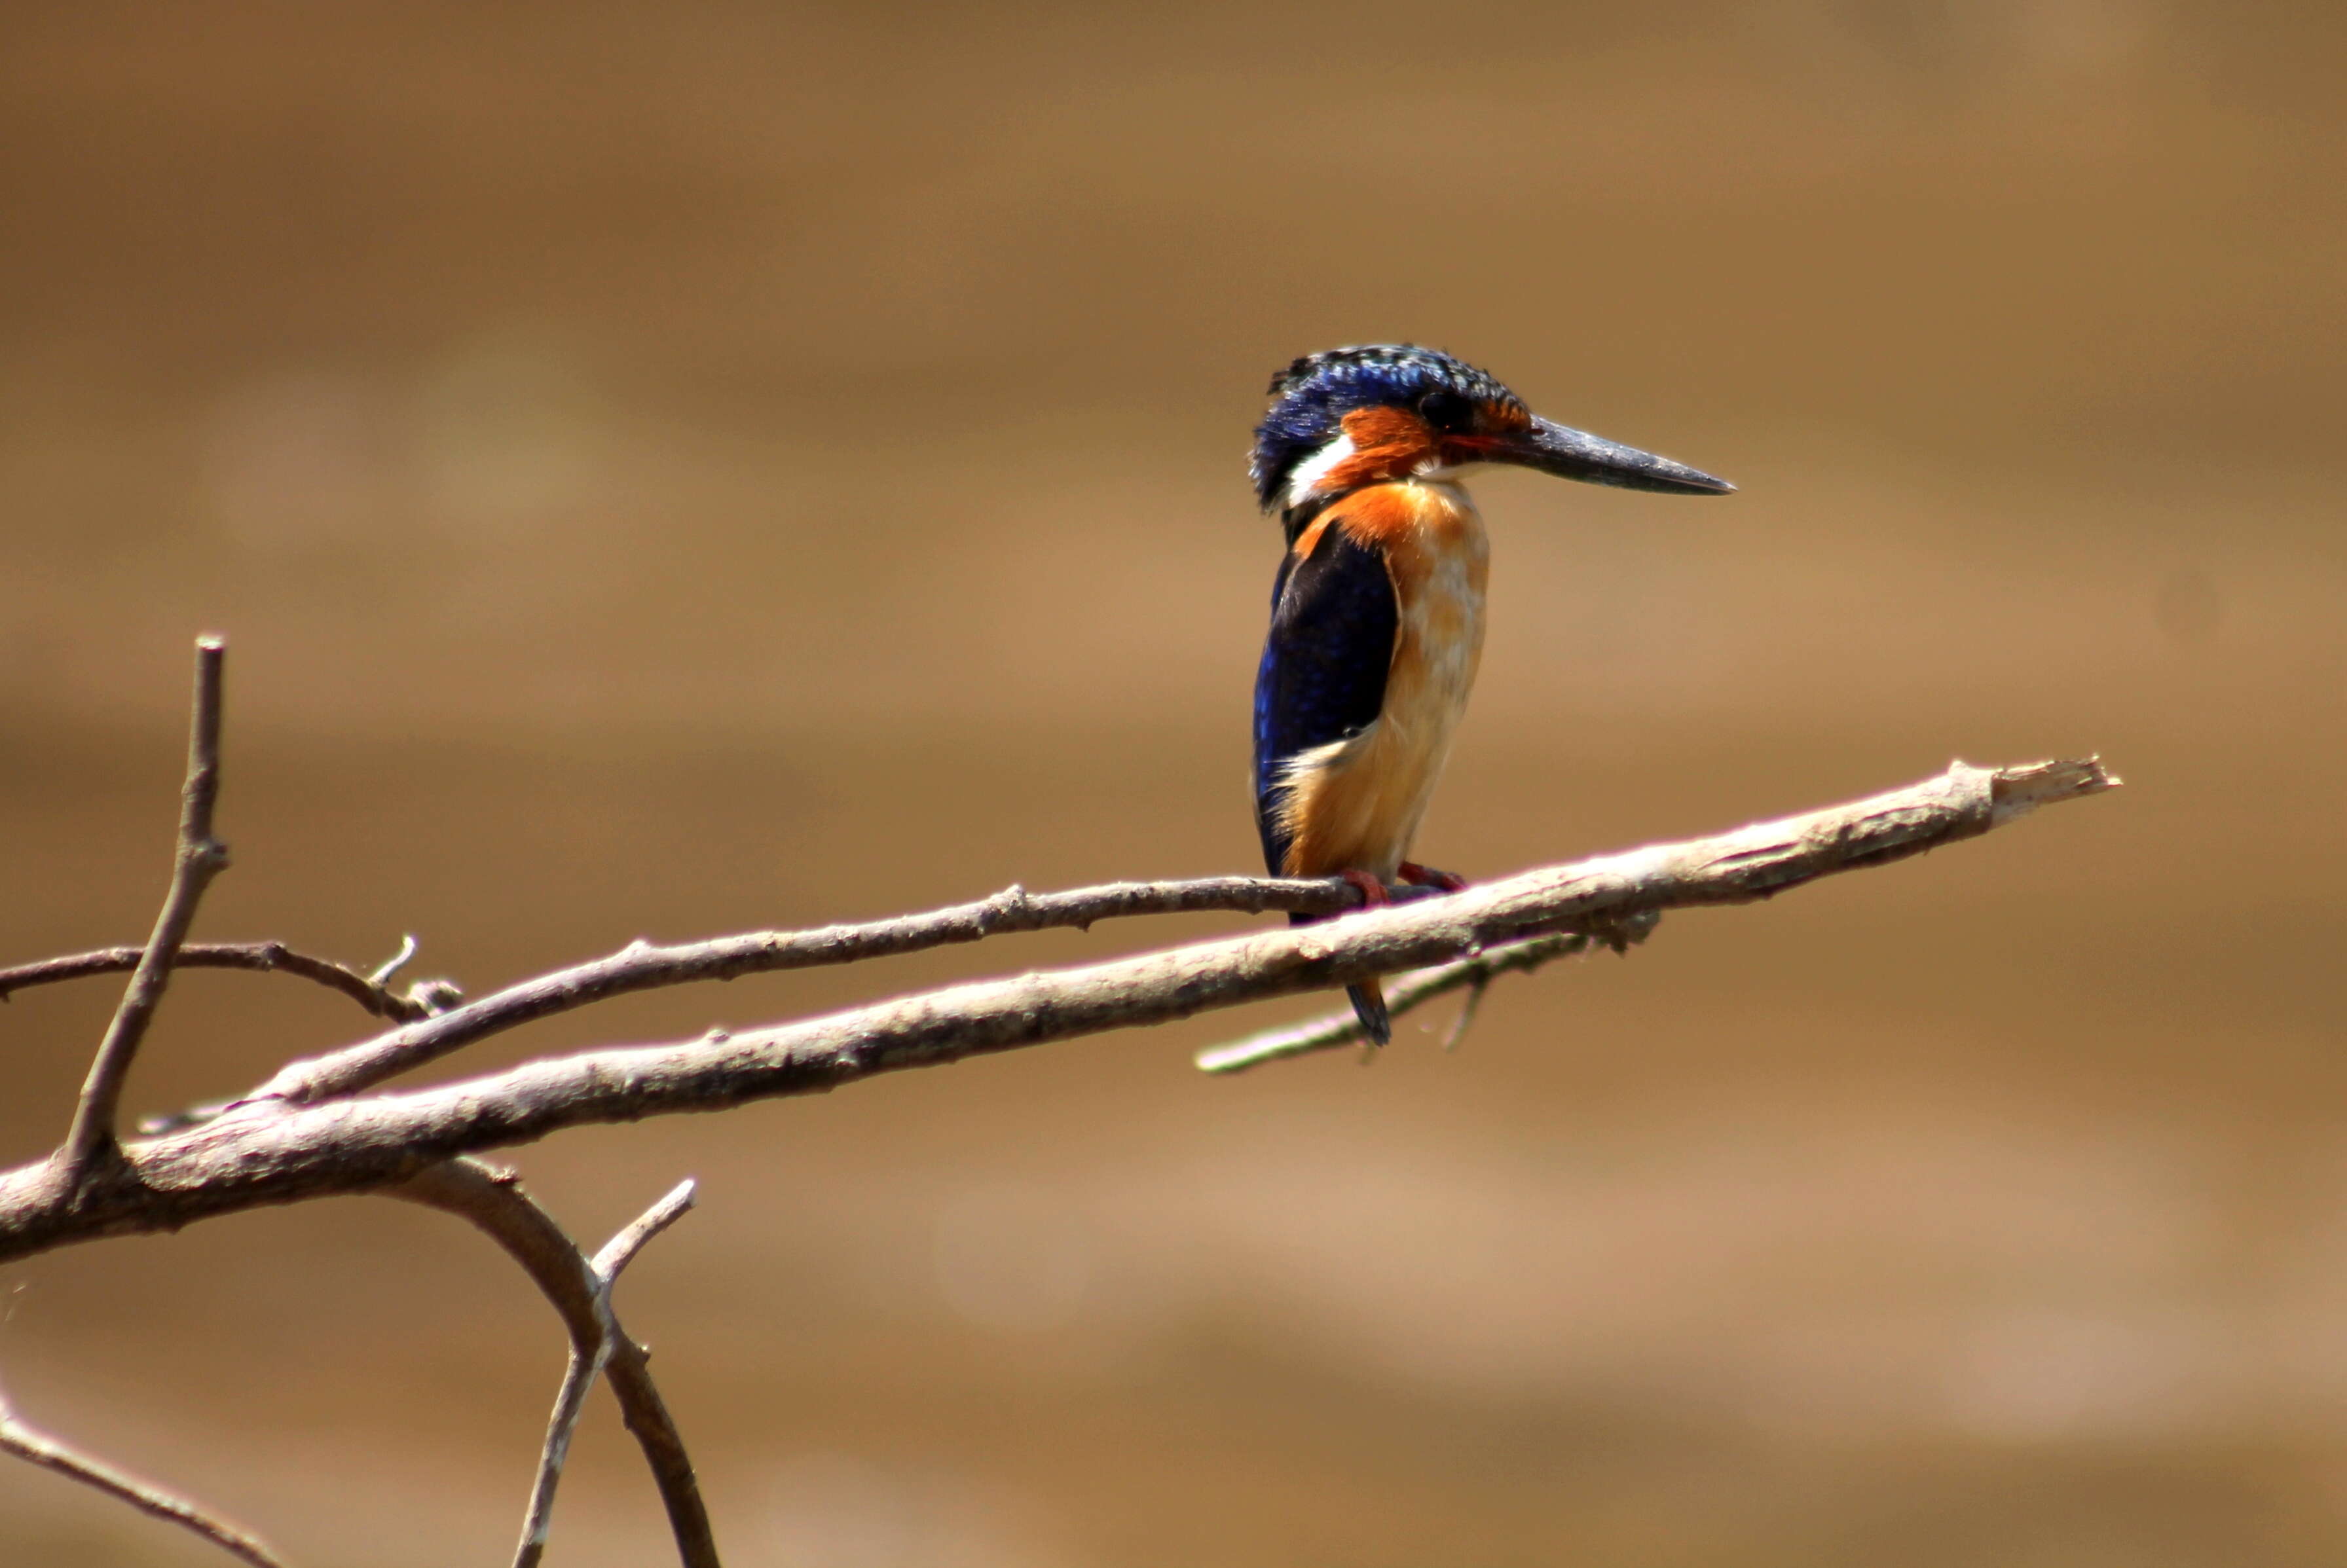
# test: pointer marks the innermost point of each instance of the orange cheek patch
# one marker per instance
(1388, 444)
(1370, 427)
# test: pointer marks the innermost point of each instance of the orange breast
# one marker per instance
(1356, 804)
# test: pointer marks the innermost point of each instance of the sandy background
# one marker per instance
(673, 471)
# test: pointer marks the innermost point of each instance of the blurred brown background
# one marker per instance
(666, 471)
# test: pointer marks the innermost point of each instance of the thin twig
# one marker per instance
(621, 1249)
(644, 966)
(91, 1143)
(1403, 995)
(419, 1001)
(261, 1153)
(380, 976)
(1459, 1025)
(578, 1376)
(30, 1443)
(493, 1200)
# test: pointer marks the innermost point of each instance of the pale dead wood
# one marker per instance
(34, 1446)
(91, 1142)
(315, 1128)
(265, 1151)
(579, 1289)
(645, 966)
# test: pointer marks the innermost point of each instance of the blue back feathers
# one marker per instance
(1314, 393)
(1334, 618)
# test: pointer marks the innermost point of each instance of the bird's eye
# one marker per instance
(1446, 411)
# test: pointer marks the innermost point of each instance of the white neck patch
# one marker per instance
(1308, 473)
(1434, 471)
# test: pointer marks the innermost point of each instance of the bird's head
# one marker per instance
(1355, 416)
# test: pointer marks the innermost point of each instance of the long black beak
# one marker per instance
(1571, 454)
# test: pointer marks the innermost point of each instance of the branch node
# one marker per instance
(1011, 906)
(433, 997)
(580, 1288)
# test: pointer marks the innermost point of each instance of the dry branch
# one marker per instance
(265, 1151)
(586, 1366)
(371, 992)
(580, 1288)
(91, 1143)
(645, 966)
(323, 1126)
(37, 1447)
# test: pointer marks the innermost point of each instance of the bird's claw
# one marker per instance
(1426, 877)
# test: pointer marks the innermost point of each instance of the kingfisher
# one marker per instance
(1376, 613)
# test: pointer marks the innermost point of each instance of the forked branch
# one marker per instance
(580, 1288)
(578, 1377)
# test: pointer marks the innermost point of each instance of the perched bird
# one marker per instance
(1377, 614)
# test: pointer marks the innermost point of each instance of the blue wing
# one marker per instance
(1323, 676)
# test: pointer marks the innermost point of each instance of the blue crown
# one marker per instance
(1315, 392)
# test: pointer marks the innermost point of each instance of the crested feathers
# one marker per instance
(1314, 395)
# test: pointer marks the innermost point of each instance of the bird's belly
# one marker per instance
(1356, 804)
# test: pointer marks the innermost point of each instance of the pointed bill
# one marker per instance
(1569, 454)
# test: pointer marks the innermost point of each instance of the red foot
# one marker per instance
(1372, 891)
(1426, 877)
